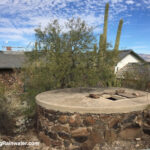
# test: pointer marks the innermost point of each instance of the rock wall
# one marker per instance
(9, 77)
(74, 131)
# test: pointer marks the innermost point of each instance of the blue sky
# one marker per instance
(19, 18)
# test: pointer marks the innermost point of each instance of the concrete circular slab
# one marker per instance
(110, 100)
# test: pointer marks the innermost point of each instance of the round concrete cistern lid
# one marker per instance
(94, 100)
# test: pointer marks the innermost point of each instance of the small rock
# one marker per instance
(44, 138)
(137, 145)
(72, 121)
(110, 136)
(130, 133)
(51, 117)
(96, 137)
(56, 143)
(64, 135)
(113, 122)
(136, 94)
(89, 120)
(120, 91)
(96, 147)
(60, 128)
(139, 120)
(52, 135)
(66, 143)
(138, 139)
(94, 96)
(75, 120)
(63, 119)
(80, 132)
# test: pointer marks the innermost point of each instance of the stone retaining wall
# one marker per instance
(8, 77)
(74, 131)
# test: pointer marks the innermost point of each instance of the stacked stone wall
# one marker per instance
(75, 131)
(8, 77)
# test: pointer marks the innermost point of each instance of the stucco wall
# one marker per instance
(128, 59)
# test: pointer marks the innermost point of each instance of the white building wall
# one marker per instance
(128, 59)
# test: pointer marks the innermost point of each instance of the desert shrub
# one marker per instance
(7, 122)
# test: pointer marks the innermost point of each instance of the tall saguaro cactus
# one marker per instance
(107, 60)
(118, 35)
(101, 43)
(105, 25)
(103, 37)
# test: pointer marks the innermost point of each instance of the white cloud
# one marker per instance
(116, 1)
(21, 17)
(138, 4)
(17, 30)
(5, 22)
(129, 2)
(146, 1)
(10, 37)
(4, 2)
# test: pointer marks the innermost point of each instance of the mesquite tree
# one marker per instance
(61, 59)
(68, 58)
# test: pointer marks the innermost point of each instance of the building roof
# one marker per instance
(14, 59)
(124, 53)
(11, 59)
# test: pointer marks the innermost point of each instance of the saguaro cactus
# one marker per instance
(103, 37)
(107, 60)
(101, 43)
(118, 35)
(105, 26)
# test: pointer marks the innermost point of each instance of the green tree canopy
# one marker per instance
(62, 57)
(68, 56)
